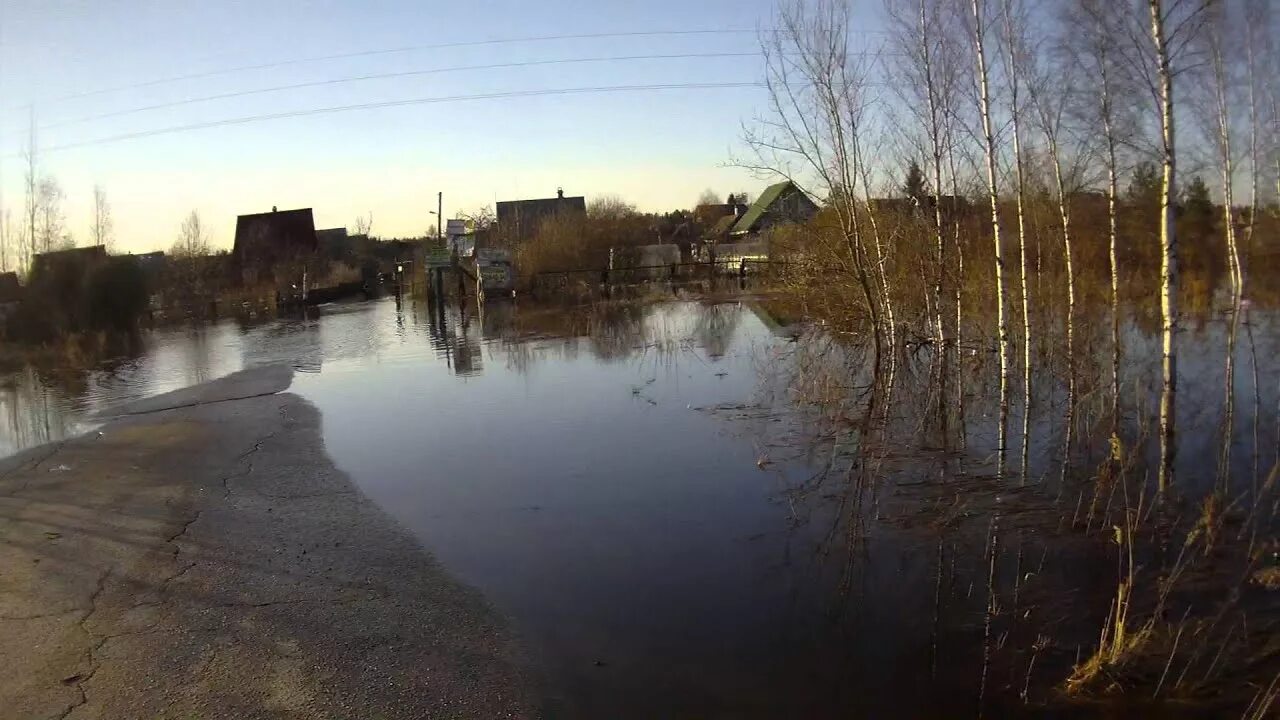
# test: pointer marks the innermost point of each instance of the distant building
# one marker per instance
(519, 219)
(335, 245)
(10, 297)
(152, 264)
(151, 259)
(332, 238)
(780, 203)
(712, 213)
(270, 246)
(953, 206)
(77, 261)
(10, 290)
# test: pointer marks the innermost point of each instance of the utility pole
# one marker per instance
(439, 216)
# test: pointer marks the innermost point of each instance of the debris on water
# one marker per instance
(599, 663)
(60, 468)
(52, 535)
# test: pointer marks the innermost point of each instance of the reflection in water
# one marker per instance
(689, 510)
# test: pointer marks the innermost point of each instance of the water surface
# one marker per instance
(639, 487)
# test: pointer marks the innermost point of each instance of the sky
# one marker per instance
(85, 68)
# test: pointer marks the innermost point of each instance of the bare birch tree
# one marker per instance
(1174, 24)
(1015, 57)
(193, 238)
(1222, 130)
(816, 101)
(1098, 28)
(920, 39)
(993, 191)
(1052, 98)
(101, 232)
(52, 232)
(31, 183)
(364, 225)
(6, 238)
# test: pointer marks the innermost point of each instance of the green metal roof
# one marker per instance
(760, 206)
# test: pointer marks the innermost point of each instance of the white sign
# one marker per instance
(455, 227)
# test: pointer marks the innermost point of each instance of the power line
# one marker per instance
(390, 51)
(384, 76)
(397, 103)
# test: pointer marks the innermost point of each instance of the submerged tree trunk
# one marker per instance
(1228, 406)
(1064, 214)
(935, 138)
(940, 245)
(1168, 253)
(959, 285)
(989, 148)
(880, 261)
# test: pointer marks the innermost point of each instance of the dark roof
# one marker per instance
(267, 238)
(763, 204)
(722, 226)
(522, 216)
(70, 258)
(89, 251)
(713, 212)
(10, 290)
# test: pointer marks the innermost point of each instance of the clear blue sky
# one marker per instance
(656, 149)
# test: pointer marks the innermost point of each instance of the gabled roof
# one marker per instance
(509, 211)
(761, 206)
(268, 237)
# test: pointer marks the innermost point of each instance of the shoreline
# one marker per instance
(199, 555)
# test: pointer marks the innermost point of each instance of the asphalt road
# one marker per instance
(201, 557)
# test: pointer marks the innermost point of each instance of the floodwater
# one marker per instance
(671, 529)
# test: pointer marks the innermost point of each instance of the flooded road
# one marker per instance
(640, 490)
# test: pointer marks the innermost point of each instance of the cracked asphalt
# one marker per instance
(199, 556)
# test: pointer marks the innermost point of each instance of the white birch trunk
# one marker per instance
(1015, 116)
(989, 147)
(1168, 253)
(1227, 168)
